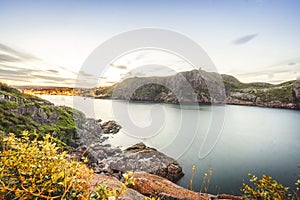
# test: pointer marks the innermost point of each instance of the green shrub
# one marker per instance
(33, 169)
(265, 188)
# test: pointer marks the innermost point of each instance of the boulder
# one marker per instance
(152, 185)
(139, 157)
(110, 127)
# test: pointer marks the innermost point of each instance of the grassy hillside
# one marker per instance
(19, 112)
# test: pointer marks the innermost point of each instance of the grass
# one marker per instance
(205, 180)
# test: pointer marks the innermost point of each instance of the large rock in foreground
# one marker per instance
(139, 157)
(155, 186)
(152, 185)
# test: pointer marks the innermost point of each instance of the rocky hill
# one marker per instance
(206, 87)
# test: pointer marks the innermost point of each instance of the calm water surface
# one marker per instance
(252, 139)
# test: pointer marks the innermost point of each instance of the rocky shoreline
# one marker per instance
(155, 173)
(104, 158)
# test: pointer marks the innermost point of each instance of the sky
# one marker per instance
(47, 42)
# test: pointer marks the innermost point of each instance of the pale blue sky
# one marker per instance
(255, 40)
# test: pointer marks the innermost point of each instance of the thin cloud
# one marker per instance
(15, 77)
(53, 78)
(7, 72)
(245, 39)
(53, 71)
(292, 63)
(9, 58)
(85, 74)
(8, 69)
(16, 53)
(122, 67)
(19, 66)
(277, 70)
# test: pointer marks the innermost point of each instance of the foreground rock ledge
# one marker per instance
(151, 185)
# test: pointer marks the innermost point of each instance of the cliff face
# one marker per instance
(186, 87)
(208, 87)
(296, 92)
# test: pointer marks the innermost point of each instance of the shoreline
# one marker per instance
(181, 103)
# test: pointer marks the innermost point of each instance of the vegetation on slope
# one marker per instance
(35, 169)
(39, 169)
(20, 112)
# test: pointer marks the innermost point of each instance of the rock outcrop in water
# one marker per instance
(112, 160)
(139, 157)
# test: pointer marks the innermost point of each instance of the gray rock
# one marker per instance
(142, 158)
(296, 92)
(110, 127)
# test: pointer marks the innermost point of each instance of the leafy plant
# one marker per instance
(105, 193)
(265, 188)
(297, 192)
(37, 170)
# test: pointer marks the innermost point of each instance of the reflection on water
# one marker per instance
(253, 139)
